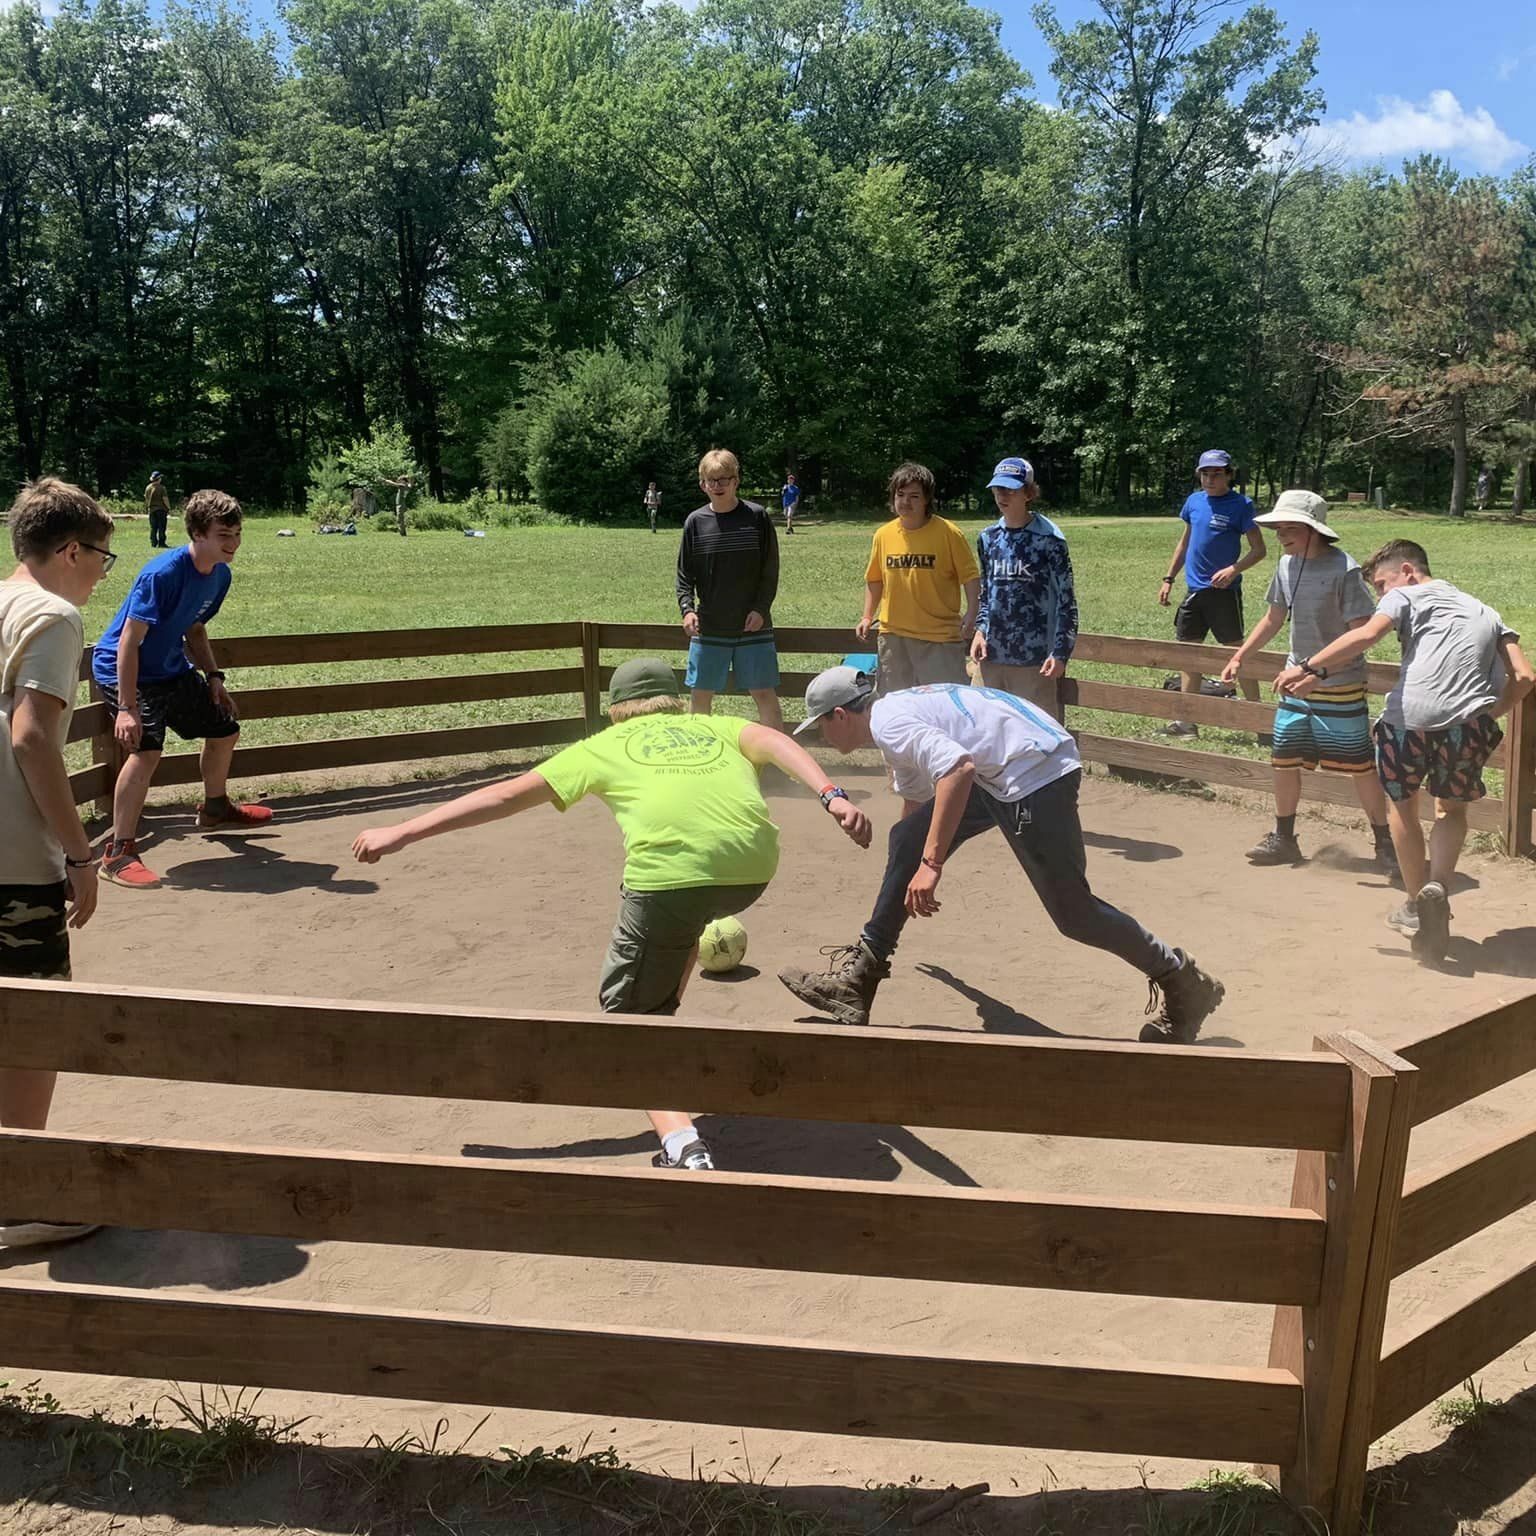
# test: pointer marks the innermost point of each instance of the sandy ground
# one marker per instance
(517, 916)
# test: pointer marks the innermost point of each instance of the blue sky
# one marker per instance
(1401, 76)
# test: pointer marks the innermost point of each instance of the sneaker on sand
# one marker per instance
(237, 818)
(1179, 728)
(1434, 934)
(1276, 848)
(846, 989)
(122, 865)
(1405, 919)
(1189, 998)
(16, 1233)
(1384, 857)
(695, 1157)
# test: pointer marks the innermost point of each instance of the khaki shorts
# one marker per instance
(647, 959)
(908, 663)
(1024, 683)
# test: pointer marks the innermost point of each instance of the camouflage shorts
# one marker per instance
(34, 940)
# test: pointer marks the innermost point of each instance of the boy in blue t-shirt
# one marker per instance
(155, 668)
(1026, 620)
(789, 499)
(1210, 553)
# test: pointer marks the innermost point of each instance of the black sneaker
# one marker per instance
(1276, 848)
(1384, 857)
(695, 1157)
(1189, 998)
(18, 1233)
(1179, 728)
(1434, 935)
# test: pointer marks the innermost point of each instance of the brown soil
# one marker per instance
(517, 916)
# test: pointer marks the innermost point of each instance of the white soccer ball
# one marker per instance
(723, 946)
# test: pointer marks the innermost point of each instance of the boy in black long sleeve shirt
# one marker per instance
(727, 578)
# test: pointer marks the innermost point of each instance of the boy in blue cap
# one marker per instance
(1026, 620)
(1209, 552)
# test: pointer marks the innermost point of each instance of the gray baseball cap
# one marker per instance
(836, 688)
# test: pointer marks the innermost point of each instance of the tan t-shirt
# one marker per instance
(41, 638)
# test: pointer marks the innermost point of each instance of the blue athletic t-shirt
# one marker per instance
(1216, 529)
(170, 595)
(789, 495)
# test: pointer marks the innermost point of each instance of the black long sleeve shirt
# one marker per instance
(728, 567)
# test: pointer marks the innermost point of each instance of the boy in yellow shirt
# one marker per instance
(919, 565)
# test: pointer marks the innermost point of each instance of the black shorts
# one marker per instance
(184, 703)
(34, 940)
(1214, 611)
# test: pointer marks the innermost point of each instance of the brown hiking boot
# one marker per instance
(846, 989)
(1189, 997)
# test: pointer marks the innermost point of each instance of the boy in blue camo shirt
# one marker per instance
(1026, 626)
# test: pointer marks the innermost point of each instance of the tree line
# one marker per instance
(562, 247)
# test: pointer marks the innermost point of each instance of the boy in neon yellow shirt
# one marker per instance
(918, 566)
(698, 843)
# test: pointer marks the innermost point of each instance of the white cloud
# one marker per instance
(1439, 126)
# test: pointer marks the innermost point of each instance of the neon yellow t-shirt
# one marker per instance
(923, 570)
(686, 800)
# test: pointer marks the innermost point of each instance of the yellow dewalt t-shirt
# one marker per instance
(923, 570)
(684, 796)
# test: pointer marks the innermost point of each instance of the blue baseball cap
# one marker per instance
(156, 475)
(1012, 474)
(1215, 458)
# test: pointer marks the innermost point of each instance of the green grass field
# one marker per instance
(311, 584)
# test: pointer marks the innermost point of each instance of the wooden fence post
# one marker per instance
(591, 677)
(105, 751)
(1520, 778)
(1334, 1346)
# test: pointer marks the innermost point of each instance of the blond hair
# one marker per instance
(719, 461)
(657, 704)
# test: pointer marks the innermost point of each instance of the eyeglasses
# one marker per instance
(721, 480)
(108, 559)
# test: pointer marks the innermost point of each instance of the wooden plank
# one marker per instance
(1463, 1060)
(395, 747)
(1520, 778)
(1208, 660)
(742, 1220)
(403, 693)
(1450, 1201)
(670, 637)
(631, 1061)
(1318, 1344)
(89, 720)
(1476, 1326)
(389, 644)
(1247, 773)
(591, 683)
(1222, 1414)
(90, 783)
(1234, 714)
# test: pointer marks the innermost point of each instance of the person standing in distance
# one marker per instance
(1209, 552)
(157, 503)
(789, 499)
(652, 504)
(727, 579)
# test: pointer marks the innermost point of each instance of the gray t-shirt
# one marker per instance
(1326, 595)
(1451, 665)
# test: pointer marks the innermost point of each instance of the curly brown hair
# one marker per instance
(205, 508)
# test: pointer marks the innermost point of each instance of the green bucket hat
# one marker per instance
(643, 678)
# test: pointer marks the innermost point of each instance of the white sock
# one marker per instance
(674, 1142)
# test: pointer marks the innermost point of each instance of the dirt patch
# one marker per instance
(517, 915)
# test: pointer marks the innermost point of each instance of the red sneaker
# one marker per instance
(122, 865)
(238, 818)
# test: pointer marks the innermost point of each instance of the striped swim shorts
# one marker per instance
(1329, 729)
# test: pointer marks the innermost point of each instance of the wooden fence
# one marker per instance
(585, 675)
(1321, 1261)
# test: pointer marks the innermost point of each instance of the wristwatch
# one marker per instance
(831, 793)
(1311, 671)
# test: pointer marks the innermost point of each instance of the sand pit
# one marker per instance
(517, 916)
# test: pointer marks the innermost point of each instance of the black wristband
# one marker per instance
(84, 863)
(827, 796)
(215, 673)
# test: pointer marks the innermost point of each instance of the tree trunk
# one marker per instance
(1459, 456)
(1522, 484)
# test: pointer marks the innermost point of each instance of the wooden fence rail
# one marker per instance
(586, 674)
(1338, 1107)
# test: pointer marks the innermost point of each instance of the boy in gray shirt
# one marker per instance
(1323, 594)
(1462, 671)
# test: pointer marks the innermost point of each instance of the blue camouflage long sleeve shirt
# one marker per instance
(1028, 607)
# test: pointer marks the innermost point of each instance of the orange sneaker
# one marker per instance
(122, 865)
(235, 818)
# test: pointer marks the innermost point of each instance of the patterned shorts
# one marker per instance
(183, 703)
(1448, 763)
(34, 940)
